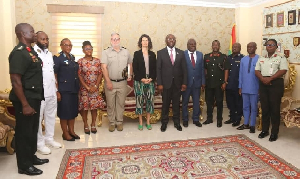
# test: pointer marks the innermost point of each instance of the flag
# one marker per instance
(232, 40)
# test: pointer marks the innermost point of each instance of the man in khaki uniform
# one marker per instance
(114, 60)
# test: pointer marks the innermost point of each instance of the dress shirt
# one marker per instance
(173, 52)
(248, 81)
(194, 54)
(48, 71)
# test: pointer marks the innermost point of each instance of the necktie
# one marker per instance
(249, 65)
(171, 56)
(193, 60)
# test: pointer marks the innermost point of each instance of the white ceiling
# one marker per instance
(205, 3)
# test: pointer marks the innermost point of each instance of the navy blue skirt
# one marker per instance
(67, 108)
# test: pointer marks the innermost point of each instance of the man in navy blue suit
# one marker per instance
(195, 80)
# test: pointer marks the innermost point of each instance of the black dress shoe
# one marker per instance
(263, 134)
(75, 136)
(38, 161)
(228, 121)
(185, 123)
(207, 122)
(163, 127)
(243, 126)
(252, 129)
(219, 124)
(237, 123)
(30, 171)
(72, 139)
(273, 137)
(178, 127)
(197, 123)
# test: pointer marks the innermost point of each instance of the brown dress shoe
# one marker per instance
(111, 128)
(119, 127)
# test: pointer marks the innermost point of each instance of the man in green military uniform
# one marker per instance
(25, 68)
(216, 73)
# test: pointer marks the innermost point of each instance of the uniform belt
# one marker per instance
(118, 80)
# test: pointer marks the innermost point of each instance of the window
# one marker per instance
(77, 27)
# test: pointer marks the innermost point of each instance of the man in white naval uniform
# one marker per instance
(49, 105)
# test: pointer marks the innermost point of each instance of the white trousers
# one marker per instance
(48, 113)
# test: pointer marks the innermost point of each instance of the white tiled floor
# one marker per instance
(286, 147)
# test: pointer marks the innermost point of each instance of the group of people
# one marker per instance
(43, 84)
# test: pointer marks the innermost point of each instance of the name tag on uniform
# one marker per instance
(271, 71)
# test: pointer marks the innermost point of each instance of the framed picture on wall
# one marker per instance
(269, 20)
(292, 17)
(298, 16)
(280, 19)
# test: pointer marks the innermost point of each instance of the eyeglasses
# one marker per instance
(271, 45)
(170, 39)
(115, 39)
(67, 45)
(86, 49)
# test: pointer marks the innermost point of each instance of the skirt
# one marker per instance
(67, 108)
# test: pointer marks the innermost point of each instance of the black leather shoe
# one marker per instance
(237, 123)
(75, 136)
(219, 124)
(197, 123)
(72, 139)
(228, 121)
(185, 123)
(243, 126)
(273, 137)
(207, 122)
(163, 127)
(30, 171)
(263, 134)
(38, 161)
(252, 129)
(178, 127)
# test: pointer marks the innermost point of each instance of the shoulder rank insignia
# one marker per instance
(57, 55)
(20, 48)
(124, 47)
(106, 48)
(39, 50)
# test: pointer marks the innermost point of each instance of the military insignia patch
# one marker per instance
(20, 48)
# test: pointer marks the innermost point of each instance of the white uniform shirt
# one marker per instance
(48, 71)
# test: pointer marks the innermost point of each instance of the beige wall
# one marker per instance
(133, 19)
(250, 24)
(7, 19)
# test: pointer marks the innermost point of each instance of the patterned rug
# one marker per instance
(234, 156)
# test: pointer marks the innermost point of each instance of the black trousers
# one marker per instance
(270, 100)
(172, 94)
(26, 134)
(235, 105)
(212, 95)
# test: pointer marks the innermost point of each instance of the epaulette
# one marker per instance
(20, 48)
(57, 55)
(124, 47)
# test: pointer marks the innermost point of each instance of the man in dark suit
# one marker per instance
(171, 80)
(195, 80)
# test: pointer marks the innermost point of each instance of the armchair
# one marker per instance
(7, 122)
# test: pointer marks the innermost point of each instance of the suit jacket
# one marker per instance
(138, 65)
(166, 71)
(196, 74)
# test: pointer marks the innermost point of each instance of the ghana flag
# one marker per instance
(232, 40)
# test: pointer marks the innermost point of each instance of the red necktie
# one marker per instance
(172, 58)
(193, 60)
